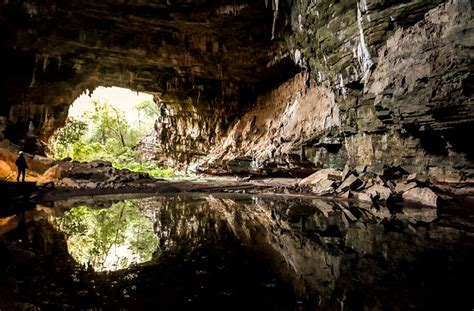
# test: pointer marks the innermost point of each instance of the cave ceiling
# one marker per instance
(211, 52)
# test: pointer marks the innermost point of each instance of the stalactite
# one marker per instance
(231, 9)
(45, 62)
(275, 16)
(33, 78)
(297, 56)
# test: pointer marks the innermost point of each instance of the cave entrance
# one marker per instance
(109, 124)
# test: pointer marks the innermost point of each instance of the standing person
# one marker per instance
(22, 166)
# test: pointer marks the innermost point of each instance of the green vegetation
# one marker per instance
(105, 134)
(111, 238)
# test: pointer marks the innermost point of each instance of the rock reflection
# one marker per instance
(335, 255)
(108, 239)
(339, 254)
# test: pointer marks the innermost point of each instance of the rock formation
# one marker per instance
(260, 87)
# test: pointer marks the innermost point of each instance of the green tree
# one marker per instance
(104, 134)
(148, 112)
(149, 108)
(109, 122)
(95, 235)
(68, 136)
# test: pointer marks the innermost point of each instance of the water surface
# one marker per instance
(235, 252)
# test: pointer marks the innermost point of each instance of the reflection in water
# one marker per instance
(108, 239)
(221, 252)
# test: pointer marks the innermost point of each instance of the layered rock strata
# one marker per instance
(390, 92)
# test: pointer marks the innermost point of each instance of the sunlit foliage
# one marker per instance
(109, 239)
(68, 136)
(105, 134)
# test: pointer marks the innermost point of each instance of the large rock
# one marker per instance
(351, 182)
(321, 175)
(405, 186)
(424, 196)
(53, 173)
(41, 164)
(379, 192)
(323, 187)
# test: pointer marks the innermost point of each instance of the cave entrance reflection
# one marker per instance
(108, 239)
(109, 124)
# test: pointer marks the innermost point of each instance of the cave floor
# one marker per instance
(198, 185)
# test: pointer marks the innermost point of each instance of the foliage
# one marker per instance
(109, 123)
(149, 167)
(105, 134)
(149, 108)
(69, 135)
(109, 239)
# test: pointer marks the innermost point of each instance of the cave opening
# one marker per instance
(109, 124)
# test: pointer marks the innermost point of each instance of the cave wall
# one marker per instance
(208, 53)
(400, 77)
(262, 87)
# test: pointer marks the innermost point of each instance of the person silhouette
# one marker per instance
(22, 166)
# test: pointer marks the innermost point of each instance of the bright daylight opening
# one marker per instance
(108, 125)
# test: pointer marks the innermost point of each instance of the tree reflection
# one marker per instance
(109, 239)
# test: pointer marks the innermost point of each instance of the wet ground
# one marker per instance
(234, 252)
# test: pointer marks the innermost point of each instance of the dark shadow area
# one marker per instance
(239, 253)
(17, 197)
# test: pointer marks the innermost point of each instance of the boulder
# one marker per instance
(424, 196)
(379, 192)
(411, 177)
(323, 187)
(324, 174)
(376, 169)
(404, 186)
(53, 173)
(345, 172)
(417, 177)
(40, 164)
(362, 196)
(351, 182)
(360, 169)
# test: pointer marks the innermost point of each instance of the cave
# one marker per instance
(234, 70)
(361, 100)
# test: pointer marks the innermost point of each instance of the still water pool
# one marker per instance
(239, 252)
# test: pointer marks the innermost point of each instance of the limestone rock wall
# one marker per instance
(395, 88)
(210, 53)
(182, 133)
(272, 136)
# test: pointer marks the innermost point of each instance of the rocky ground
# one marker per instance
(390, 187)
(372, 184)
